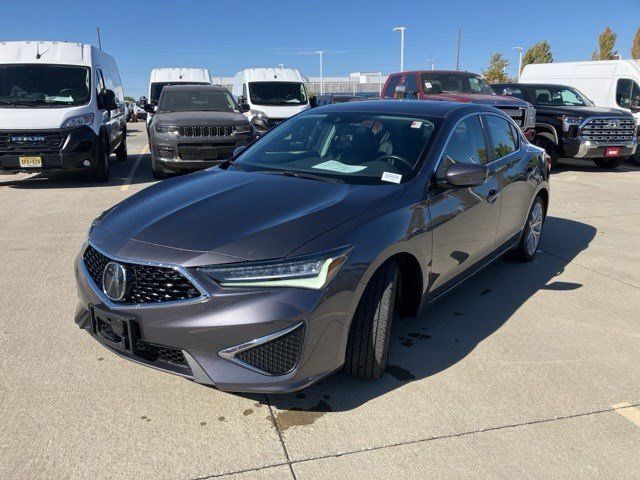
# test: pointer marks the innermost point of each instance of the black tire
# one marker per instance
(636, 157)
(121, 151)
(101, 171)
(609, 163)
(368, 343)
(523, 251)
(550, 147)
(158, 172)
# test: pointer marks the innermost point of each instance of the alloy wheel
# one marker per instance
(534, 229)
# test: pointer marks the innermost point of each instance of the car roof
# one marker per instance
(433, 108)
(437, 72)
(170, 88)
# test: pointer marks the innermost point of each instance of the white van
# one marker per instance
(61, 108)
(273, 95)
(610, 83)
(161, 77)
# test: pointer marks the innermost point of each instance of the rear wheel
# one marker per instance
(101, 169)
(530, 240)
(368, 343)
(609, 162)
(550, 147)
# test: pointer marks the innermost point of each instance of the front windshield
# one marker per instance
(558, 96)
(44, 86)
(455, 83)
(351, 147)
(209, 100)
(277, 93)
(156, 88)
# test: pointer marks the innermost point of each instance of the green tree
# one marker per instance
(538, 53)
(496, 71)
(635, 46)
(130, 99)
(606, 46)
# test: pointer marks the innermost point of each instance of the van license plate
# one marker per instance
(30, 162)
(612, 152)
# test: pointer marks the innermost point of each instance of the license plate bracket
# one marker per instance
(30, 162)
(112, 329)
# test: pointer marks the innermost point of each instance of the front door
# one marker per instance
(464, 220)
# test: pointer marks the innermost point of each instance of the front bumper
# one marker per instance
(75, 146)
(210, 331)
(581, 148)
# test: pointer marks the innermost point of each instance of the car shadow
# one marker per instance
(451, 327)
(586, 165)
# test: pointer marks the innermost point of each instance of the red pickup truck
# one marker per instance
(455, 86)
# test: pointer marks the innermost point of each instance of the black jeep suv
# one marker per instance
(568, 124)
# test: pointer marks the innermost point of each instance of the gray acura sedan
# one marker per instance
(291, 261)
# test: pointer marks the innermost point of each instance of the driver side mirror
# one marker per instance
(461, 175)
(143, 101)
(149, 108)
(107, 100)
(243, 107)
(242, 100)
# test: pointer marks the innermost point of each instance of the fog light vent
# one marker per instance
(277, 356)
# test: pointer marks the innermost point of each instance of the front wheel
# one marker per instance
(532, 232)
(101, 169)
(368, 343)
(609, 162)
(121, 151)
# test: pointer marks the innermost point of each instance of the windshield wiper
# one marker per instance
(310, 176)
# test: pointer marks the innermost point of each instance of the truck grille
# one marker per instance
(278, 356)
(609, 130)
(146, 283)
(518, 114)
(45, 142)
(206, 131)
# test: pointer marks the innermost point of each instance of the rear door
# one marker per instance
(465, 220)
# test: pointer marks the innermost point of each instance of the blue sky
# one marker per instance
(356, 35)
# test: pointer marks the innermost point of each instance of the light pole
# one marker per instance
(321, 53)
(432, 62)
(519, 61)
(401, 29)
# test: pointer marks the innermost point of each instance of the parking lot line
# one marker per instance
(132, 172)
(628, 411)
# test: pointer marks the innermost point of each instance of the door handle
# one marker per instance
(493, 195)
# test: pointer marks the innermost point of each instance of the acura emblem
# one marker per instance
(114, 281)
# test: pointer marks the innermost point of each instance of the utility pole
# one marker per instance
(432, 62)
(459, 44)
(401, 29)
(99, 39)
(520, 49)
(321, 53)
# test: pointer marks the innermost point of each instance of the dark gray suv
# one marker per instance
(290, 262)
(195, 127)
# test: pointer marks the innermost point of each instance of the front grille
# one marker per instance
(609, 130)
(44, 142)
(159, 353)
(207, 152)
(274, 122)
(517, 114)
(145, 283)
(206, 131)
(278, 356)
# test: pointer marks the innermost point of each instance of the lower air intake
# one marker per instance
(277, 356)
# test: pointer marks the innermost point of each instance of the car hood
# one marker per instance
(17, 118)
(588, 111)
(243, 215)
(200, 118)
(495, 100)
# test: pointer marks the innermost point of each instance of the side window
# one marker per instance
(100, 80)
(513, 92)
(502, 135)
(628, 94)
(392, 83)
(466, 144)
(411, 85)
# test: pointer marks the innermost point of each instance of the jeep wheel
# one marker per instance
(609, 162)
(101, 169)
(550, 147)
(368, 343)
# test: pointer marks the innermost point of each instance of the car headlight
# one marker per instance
(96, 220)
(311, 271)
(568, 122)
(164, 128)
(246, 128)
(530, 117)
(86, 119)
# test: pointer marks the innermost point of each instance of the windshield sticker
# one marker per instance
(335, 166)
(416, 124)
(391, 177)
(428, 84)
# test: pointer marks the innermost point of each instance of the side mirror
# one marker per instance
(107, 100)
(149, 108)
(244, 107)
(239, 150)
(464, 175)
(143, 101)
(400, 92)
(242, 100)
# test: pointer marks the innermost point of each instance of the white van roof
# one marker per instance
(180, 74)
(60, 53)
(270, 75)
(539, 72)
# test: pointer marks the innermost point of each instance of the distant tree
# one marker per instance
(130, 99)
(496, 71)
(635, 46)
(606, 46)
(539, 53)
